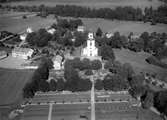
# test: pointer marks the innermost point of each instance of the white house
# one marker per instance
(109, 35)
(24, 36)
(23, 53)
(51, 30)
(57, 62)
(90, 50)
(81, 29)
(29, 30)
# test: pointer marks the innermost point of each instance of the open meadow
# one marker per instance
(92, 3)
(12, 82)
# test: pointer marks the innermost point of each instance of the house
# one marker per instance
(51, 30)
(29, 30)
(109, 35)
(81, 29)
(24, 36)
(90, 50)
(57, 62)
(3, 54)
(24, 53)
(134, 37)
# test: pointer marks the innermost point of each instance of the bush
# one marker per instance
(88, 72)
(160, 101)
(99, 84)
(115, 83)
(24, 17)
(96, 65)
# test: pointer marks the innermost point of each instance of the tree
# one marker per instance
(160, 101)
(53, 85)
(108, 64)
(88, 72)
(86, 64)
(147, 99)
(145, 37)
(137, 91)
(136, 80)
(84, 85)
(72, 77)
(107, 53)
(42, 38)
(116, 41)
(99, 32)
(128, 70)
(115, 83)
(39, 38)
(80, 38)
(76, 63)
(43, 86)
(96, 65)
(47, 62)
(28, 91)
(60, 84)
(99, 84)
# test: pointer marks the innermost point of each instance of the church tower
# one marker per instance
(90, 50)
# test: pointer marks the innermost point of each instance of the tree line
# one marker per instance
(119, 13)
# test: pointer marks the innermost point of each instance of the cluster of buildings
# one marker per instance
(89, 51)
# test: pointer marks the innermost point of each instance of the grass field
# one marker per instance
(137, 60)
(93, 3)
(12, 82)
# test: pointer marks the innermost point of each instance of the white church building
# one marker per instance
(90, 50)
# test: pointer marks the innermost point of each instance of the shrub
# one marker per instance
(88, 72)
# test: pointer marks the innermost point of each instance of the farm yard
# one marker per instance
(92, 3)
(12, 82)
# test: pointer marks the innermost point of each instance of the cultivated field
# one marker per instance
(93, 3)
(137, 60)
(13, 22)
(124, 27)
(12, 82)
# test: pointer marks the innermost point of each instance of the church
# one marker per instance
(90, 51)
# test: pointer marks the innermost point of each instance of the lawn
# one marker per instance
(93, 3)
(12, 82)
(137, 60)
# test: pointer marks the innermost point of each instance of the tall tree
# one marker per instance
(99, 32)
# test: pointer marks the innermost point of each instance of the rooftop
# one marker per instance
(22, 50)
